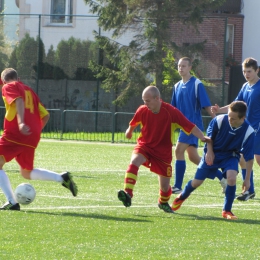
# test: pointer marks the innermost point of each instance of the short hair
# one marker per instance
(155, 92)
(239, 107)
(250, 62)
(187, 59)
(9, 74)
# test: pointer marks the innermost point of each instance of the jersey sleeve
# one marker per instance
(11, 92)
(241, 93)
(247, 149)
(42, 110)
(203, 96)
(136, 120)
(173, 101)
(182, 122)
(212, 129)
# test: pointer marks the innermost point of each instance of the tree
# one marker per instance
(149, 21)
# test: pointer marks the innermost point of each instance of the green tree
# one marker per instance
(149, 21)
(24, 57)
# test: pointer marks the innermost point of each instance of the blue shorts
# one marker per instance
(257, 143)
(205, 171)
(188, 139)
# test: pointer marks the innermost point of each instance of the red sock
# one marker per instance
(165, 196)
(130, 178)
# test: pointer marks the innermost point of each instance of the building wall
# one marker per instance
(81, 28)
(251, 39)
(212, 30)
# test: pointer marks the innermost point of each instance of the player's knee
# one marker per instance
(26, 174)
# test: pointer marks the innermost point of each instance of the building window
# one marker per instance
(230, 39)
(61, 11)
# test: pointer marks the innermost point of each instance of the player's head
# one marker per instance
(151, 97)
(250, 63)
(184, 66)
(250, 69)
(237, 113)
(9, 75)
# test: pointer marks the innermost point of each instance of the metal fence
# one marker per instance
(96, 126)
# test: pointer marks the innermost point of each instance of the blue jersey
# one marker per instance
(251, 96)
(230, 142)
(190, 98)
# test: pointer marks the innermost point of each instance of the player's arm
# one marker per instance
(197, 132)
(45, 120)
(219, 110)
(24, 129)
(209, 111)
(129, 131)
(246, 182)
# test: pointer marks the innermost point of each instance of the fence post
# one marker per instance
(62, 124)
(113, 127)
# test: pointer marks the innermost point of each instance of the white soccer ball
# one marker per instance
(25, 193)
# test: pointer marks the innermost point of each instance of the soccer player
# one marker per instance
(158, 120)
(231, 134)
(250, 94)
(24, 120)
(190, 97)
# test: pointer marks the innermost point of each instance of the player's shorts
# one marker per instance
(188, 139)
(257, 143)
(205, 171)
(24, 155)
(154, 163)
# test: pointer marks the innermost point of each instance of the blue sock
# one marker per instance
(180, 167)
(229, 198)
(188, 189)
(252, 186)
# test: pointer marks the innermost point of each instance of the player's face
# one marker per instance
(234, 120)
(250, 74)
(184, 68)
(153, 103)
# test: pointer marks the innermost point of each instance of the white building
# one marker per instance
(251, 37)
(51, 19)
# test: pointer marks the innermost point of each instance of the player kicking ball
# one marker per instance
(231, 134)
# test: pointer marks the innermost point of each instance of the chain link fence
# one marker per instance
(53, 59)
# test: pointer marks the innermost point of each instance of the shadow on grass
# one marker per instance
(94, 216)
(208, 218)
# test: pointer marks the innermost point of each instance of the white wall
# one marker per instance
(251, 37)
(11, 21)
(82, 27)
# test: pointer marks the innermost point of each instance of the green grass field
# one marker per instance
(95, 225)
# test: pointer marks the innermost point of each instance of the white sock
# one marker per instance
(45, 175)
(5, 185)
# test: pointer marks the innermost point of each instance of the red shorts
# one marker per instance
(153, 162)
(24, 155)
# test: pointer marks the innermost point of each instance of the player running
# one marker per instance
(24, 120)
(231, 135)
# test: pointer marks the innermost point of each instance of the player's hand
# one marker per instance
(209, 158)
(24, 129)
(128, 134)
(215, 109)
(206, 139)
(245, 185)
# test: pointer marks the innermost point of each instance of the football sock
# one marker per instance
(130, 178)
(5, 185)
(180, 167)
(252, 186)
(165, 196)
(229, 198)
(45, 175)
(188, 189)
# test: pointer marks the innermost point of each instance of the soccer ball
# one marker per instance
(25, 193)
